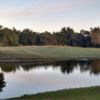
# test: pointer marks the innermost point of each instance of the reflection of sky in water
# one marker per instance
(40, 80)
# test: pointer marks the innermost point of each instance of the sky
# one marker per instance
(50, 15)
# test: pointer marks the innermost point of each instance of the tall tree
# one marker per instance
(95, 36)
(10, 37)
(27, 37)
(1, 35)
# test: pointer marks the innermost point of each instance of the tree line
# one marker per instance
(26, 37)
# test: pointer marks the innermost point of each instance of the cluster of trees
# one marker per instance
(66, 36)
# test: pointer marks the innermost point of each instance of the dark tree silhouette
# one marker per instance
(2, 82)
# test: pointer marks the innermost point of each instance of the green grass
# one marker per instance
(92, 93)
(49, 52)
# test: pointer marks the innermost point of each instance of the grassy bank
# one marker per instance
(48, 52)
(92, 93)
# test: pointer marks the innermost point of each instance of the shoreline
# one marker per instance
(84, 93)
(18, 60)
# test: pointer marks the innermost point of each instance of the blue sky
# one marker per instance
(50, 15)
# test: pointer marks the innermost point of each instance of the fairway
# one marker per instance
(48, 53)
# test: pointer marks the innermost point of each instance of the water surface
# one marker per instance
(36, 77)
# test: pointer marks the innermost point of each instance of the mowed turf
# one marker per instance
(92, 93)
(49, 52)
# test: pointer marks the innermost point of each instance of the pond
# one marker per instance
(17, 79)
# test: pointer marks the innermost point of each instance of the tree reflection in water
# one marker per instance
(66, 67)
(2, 82)
(95, 67)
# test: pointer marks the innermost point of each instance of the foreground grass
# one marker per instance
(49, 52)
(92, 93)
